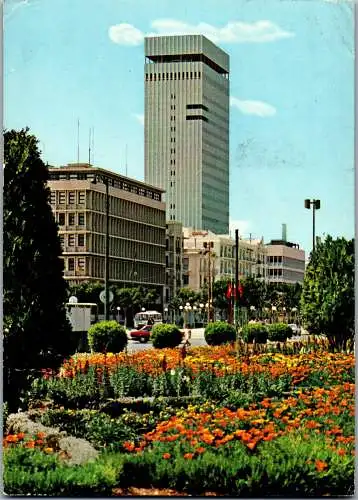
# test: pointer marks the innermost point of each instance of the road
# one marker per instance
(197, 339)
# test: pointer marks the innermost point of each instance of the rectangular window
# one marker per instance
(62, 197)
(81, 263)
(81, 219)
(53, 197)
(71, 264)
(81, 197)
(71, 219)
(71, 240)
(71, 197)
(81, 240)
(61, 219)
(197, 106)
(197, 117)
(62, 241)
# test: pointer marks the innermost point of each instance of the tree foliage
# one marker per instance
(37, 333)
(327, 302)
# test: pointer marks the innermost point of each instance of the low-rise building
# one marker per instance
(285, 262)
(136, 226)
(209, 256)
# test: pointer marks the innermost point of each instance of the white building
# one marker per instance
(187, 128)
(209, 256)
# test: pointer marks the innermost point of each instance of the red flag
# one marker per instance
(241, 290)
(229, 291)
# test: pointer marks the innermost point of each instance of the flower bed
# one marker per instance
(282, 421)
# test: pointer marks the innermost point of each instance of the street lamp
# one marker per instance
(118, 309)
(105, 181)
(316, 205)
(143, 309)
(166, 314)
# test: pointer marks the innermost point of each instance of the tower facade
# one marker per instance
(187, 129)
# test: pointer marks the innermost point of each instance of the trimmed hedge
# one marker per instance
(219, 332)
(257, 332)
(107, 336)
(165, 335)
(279, 332)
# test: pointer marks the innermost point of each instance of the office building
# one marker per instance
(187, 129)
(174, 261)
(137, 226)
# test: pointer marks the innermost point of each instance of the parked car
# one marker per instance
(295, 328)
(143, 334)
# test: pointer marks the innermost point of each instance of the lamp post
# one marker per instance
(273, 308)
(166, 314)
(194, 312)
(201, 313)
(118, 309)
(316, 205)
(104, 181)
(181, 313)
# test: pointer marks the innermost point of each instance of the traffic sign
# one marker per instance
(102, 296)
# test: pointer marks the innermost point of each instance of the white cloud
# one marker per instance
(233, 32)
(257, 108)
(125, 34)
(140, 118)
(241, 225)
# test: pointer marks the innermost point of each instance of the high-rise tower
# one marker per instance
(187, 128)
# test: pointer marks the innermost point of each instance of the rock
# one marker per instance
(79, 451)
(76, 451)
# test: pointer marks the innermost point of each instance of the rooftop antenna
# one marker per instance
(89, 147)
(126, 160)
(92, 151)
(78, 140)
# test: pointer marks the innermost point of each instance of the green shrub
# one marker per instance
(107, 336)
(219, 332)
(254, 332)
(279, 332)
(164, 335)
(32, 472)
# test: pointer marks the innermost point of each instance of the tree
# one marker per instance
(37, 333)
(327, 301)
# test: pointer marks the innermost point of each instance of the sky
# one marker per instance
(291, 96)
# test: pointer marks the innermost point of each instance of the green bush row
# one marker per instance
(259, 332)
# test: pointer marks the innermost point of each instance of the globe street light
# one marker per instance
(118, 309)
(316, 205)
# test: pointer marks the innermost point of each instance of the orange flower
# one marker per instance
(320, 465)
(341, 452)
(251, 445)
(11, 438)
(166, 456)
(20, 436)
(188, 456)
(40, 435)
(129, 446)
(30, 444)
(201, 449)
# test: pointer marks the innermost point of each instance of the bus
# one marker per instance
(141, 318)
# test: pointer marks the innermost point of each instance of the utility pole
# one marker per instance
(236, 294)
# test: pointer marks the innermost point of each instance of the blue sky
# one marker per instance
(291, 87)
